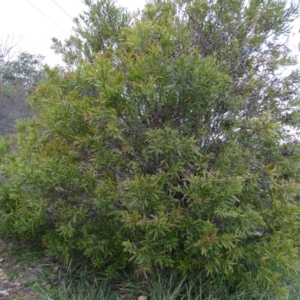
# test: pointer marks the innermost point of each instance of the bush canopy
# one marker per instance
(168, 141)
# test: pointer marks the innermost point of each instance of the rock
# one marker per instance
(142, 298)
(4, 293)
(5, 281)
(12, 284)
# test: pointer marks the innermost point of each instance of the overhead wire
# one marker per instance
(47, 17)
(62, 9)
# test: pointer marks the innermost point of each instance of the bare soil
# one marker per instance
(18, 275)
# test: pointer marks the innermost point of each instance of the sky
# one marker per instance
(32, 23)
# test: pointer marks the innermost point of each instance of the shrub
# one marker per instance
(158, 152)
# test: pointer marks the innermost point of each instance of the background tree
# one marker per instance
(166, 148)
(7, 50)
(23, 72)
(19, 73)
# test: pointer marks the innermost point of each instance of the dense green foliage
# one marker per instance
(167, 145)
